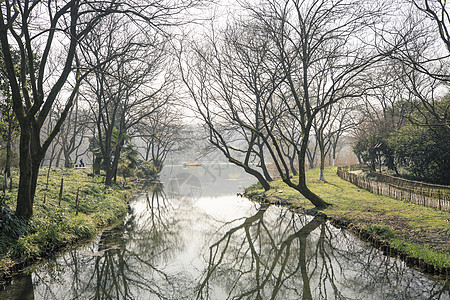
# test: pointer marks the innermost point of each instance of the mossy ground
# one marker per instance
(52, 226)
(419, 231)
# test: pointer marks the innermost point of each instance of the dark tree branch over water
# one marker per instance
(320, 65)
(232, 129)
(282, 67)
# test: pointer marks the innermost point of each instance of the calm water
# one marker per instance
(191, 237)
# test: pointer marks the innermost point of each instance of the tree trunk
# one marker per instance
(306, 192)
(31, 155)
(263, 163)
(58, 157)
(115, 162)
(67, 162)
(261, 179)
(24, 206)
(322, 165)
(359, 159)
(109, 173)
(302, 236)
(34, 177)
(291, 162)
(373, 165)
(334, 154)
(301, 187)
(37, 156)
(253, 172)
(147, 152)
(310, 156)
(7, 173)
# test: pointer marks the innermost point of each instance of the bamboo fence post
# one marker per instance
(61, 191)
(76, 200)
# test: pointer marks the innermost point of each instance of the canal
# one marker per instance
(190, 236)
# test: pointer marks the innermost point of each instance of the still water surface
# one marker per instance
(191, 237)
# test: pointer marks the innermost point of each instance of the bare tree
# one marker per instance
(42, 30)
(346, 121)
(311, 153)
(220, 92)
(320, 61)
(131, 86)
(421, 46)
(74, 133)
(161, 132)
(280, 68)
(437, 11)
(329, 125)
(22, 25)
(291, 138)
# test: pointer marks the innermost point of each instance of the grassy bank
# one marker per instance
(417, 231)
(54, 226)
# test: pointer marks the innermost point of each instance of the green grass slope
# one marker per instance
(419, 231)
(52, 226)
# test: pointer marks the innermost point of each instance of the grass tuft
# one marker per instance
(381, 231)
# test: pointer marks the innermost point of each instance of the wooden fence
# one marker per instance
(415, 193)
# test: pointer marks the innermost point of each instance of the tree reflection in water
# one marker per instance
(291, 256)
(126, 262)
(23, 289)
(199, 248)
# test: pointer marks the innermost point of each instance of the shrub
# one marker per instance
(381, 231)
(423, 153)
(10, 224)
(148, 169)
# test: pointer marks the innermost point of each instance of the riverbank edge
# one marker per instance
(20, 266)
(17, 266)
(381, 244)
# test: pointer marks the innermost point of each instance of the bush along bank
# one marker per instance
(59, 220)
(419, 235)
